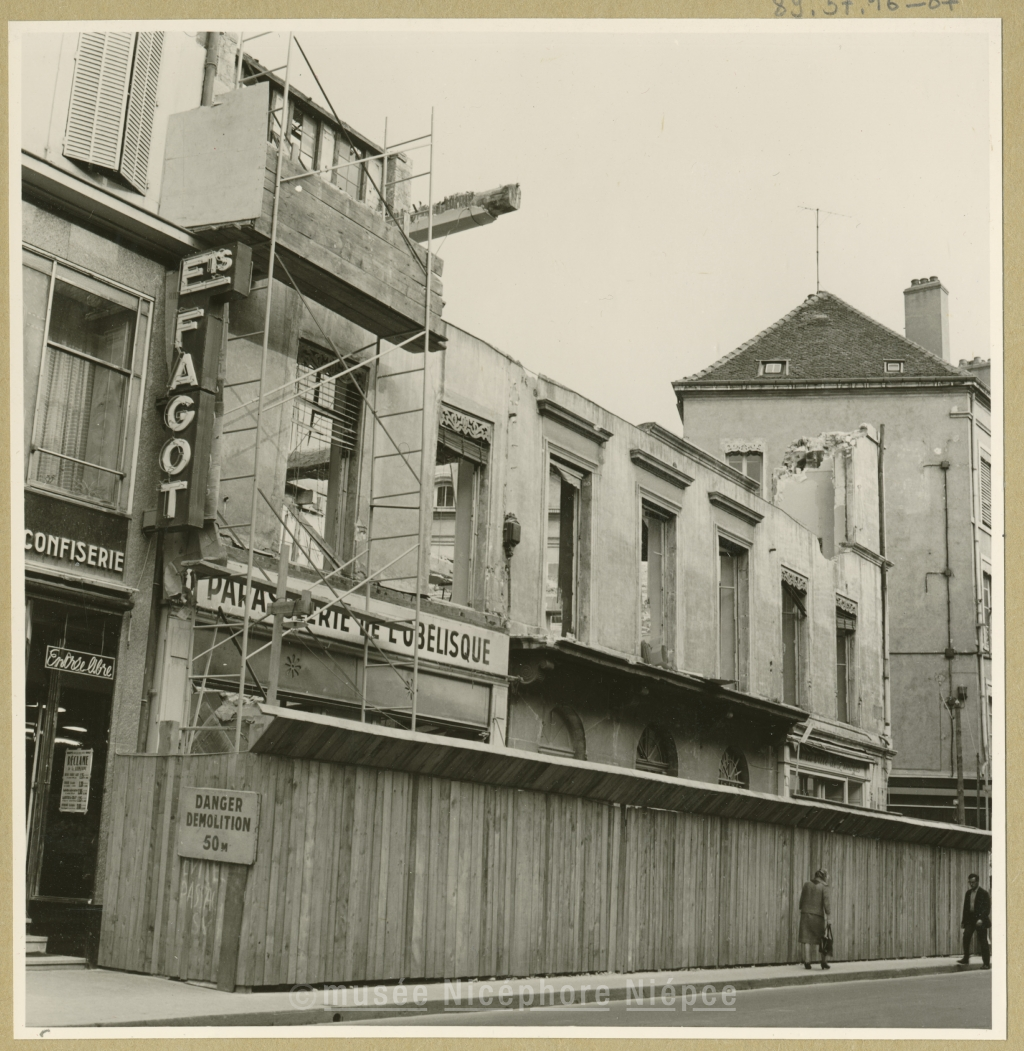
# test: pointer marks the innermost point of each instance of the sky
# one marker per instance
(666, 169)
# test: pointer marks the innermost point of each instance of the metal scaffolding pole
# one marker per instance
(276, 398)
(426, 490)
(247, 599)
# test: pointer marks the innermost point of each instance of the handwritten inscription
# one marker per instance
(831, 8)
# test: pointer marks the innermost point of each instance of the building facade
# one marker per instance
(275, 505)
(827, 367)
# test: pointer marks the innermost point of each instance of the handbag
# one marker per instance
(826, 941)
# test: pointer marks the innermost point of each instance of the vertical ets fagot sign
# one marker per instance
(207, 281)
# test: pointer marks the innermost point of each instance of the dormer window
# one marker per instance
(774, 368)
(894, 366)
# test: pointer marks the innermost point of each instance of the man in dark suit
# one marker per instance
(977, 917)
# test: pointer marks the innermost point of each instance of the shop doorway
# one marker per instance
(70, 674)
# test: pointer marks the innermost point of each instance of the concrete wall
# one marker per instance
(922, 429)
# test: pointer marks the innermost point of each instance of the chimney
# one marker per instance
(926, 304)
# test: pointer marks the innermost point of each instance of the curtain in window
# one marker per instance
(84, 394)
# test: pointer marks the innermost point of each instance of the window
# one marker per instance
(656, 752)
(986, 601)
(458, 483)
(794, 618)
(325, 431)
(732, 613)
(733, 769)
(751, 464)
(894, 366)
(986, 493)
(562, 734)
(113, 101)
(846, 628)
(657, 580)
(561, 590)
(832, 789)
(316, 143)
(774, 368)
(90, 376)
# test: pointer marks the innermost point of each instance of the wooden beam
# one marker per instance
(465, 211)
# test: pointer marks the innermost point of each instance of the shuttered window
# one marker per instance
(138, 128)
(113, 100)
(986, 493)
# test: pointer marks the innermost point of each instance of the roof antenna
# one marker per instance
(817, 253)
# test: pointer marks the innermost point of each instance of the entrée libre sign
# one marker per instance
(99, 667)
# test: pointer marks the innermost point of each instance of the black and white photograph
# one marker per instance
(507, 526)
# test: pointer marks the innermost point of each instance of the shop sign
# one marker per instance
(440, 639)
(64, 533)
(93, 664)
(207, 280)
(74, 789)
(218, 824)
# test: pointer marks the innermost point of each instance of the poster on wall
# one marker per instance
(74, 791)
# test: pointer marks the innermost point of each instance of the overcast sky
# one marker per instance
(662, 167)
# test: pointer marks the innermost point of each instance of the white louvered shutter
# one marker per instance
(138, 128)
(99, 98)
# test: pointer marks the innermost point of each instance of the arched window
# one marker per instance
(444, 495)
(733, 769)
(562, 734)
(656, 752)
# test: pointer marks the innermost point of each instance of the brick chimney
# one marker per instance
(926, 305)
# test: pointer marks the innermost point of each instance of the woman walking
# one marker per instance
(815, 907)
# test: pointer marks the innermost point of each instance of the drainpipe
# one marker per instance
(950, 653)
(979, 601)
(210, 67)
(886, 681)
(213, 485)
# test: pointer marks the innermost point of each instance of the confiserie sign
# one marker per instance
(218, 824)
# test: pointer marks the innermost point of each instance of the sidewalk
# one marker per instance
(56, 999)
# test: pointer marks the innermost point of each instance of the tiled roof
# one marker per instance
(825, 338)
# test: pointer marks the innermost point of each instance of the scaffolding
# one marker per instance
(395, 514)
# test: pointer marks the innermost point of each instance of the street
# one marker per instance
(943, 1001)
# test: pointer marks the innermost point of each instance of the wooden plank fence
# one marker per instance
(367, 875)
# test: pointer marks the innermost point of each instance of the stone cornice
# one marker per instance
(567, 418)
(734, 507)
(867, 554)
(800, 387)
(666, 471)
(704, 458)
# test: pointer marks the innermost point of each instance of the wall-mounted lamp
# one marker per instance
(511, 534)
